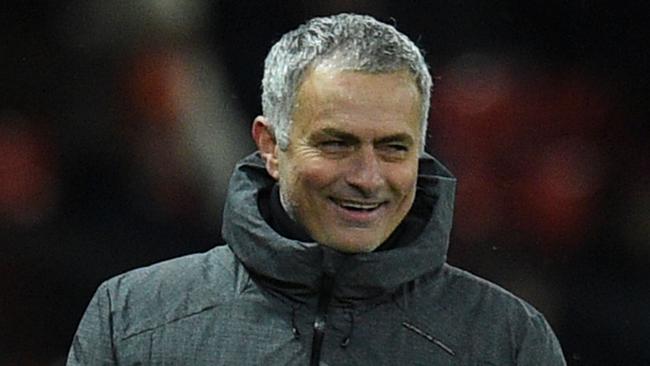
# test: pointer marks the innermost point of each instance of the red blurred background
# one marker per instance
(120, 124)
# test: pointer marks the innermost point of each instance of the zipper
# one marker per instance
(320, 320)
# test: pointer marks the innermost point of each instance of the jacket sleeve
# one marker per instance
(539, 345)
(93, 342)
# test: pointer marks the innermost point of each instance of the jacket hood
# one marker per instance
(299, 266)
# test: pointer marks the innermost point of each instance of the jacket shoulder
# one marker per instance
(149, 297)
(480, 317)
(476, 291)
(486, 303)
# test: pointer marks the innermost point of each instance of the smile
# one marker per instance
(357, 205)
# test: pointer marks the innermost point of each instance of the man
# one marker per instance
(337, 232)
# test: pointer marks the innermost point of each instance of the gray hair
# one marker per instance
(363, 43)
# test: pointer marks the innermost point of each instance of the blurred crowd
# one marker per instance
(120, 123)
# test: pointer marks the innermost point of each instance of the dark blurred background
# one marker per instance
(120, 123)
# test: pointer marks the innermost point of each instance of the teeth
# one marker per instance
(359, 206)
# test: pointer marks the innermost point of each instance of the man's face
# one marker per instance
(349, 173)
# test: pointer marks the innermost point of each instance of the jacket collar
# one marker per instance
(295, 268)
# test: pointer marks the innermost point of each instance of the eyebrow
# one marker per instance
(333, 132)
(345, 136)
(398, 137)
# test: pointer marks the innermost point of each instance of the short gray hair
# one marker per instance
(365, 44)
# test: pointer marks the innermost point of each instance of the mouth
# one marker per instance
(357, 206)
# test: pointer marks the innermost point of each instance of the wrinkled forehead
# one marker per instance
(359, 102)
(327, 81)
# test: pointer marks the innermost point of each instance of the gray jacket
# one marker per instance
(266, 300)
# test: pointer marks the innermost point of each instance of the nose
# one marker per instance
(365, 172)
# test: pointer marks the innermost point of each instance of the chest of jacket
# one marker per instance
(257, 329)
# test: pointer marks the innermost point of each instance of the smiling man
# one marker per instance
(337, 232)
(349, 173)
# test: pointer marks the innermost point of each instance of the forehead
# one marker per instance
(328, 80)
(358, 99)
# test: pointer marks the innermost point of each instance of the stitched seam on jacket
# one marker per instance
(166, 323)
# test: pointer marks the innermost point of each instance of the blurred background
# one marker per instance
(120, 123)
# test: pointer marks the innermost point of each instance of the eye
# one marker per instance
(398, 147)
(394, 150)
(333, 145)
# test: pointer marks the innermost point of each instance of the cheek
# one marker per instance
(307, 181)
(315, 179)
(403, 179)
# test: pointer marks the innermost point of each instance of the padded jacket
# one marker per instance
(264, 299)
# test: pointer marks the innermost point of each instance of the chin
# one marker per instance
(346, 245)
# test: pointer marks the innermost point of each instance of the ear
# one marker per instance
(266, 144)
